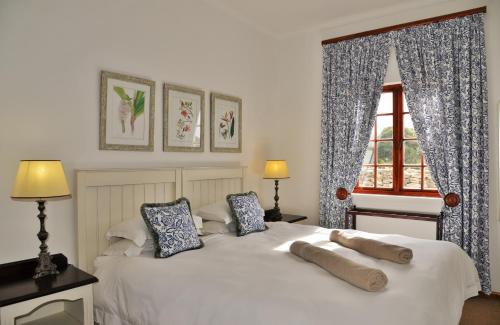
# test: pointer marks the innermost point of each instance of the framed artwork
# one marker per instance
(183, 119)
(127, 113)
(225, 123)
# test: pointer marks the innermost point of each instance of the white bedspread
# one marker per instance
(255, 280)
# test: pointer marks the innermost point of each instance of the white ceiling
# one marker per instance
(282, 17)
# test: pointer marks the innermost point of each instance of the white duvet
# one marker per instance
(255, 280)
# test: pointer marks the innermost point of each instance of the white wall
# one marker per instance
(51, 53)
(298, 108)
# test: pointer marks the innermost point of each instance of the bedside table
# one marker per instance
(290, 218)
(65, 298)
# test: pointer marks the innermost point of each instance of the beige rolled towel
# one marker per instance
(373, 248)
(356, 274)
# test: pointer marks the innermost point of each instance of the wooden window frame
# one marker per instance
(397, 154)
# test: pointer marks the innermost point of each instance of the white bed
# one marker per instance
(255, 280)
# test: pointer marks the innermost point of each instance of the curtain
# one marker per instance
(353, 75)
(443, 70)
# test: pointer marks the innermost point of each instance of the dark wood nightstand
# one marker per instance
(290, 218)
(65, 298)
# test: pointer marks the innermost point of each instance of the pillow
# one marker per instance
(218, 211)
(216, 227)
(198, 223)
(136, 230)
(133, 229)
(172, 227)
(247, 213)
(149, 246)
(123, 247)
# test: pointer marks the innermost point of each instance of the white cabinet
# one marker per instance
(68, 307)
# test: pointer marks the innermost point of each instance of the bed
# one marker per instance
(251, 279)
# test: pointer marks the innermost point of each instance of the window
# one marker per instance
(393, 163)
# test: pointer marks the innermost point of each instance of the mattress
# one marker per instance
(255, 280)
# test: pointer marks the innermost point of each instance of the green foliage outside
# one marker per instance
(412, 152)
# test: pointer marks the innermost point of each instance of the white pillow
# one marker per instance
(149, 245)
(218, 211)
(198, 223)
(133, 229)
(123, 247)
(217, 227)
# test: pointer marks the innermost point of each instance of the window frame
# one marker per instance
(397, 154)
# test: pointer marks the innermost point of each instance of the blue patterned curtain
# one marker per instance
(353, 74)
(443, 69)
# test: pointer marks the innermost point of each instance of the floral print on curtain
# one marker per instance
(353, 75)
(443, 70)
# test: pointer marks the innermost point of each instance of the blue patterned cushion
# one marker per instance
(172, 227)
(246, 212)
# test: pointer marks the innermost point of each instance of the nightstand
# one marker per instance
(65, 298)
(290, 218)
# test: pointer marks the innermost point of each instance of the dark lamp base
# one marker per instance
(45, 266)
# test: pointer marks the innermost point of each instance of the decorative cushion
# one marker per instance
(172, 227)
(246, 212)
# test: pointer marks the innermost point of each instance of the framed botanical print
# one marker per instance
(127, 113)
(183, 119)
(225, 123)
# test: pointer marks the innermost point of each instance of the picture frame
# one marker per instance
(183, 119)
(127, 109)
(225, 123)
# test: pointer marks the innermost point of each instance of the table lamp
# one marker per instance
(40, 180)
(275, 169)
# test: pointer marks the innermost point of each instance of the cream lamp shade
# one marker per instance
(40, 179)
(276, 169)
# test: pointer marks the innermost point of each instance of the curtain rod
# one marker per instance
(406, 25)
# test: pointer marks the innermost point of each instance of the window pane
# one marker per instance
(385, 103)
(384, 152)
(369, 159)
(408, 127)
(384, 177)
(366, 178)
(428, 183)
(412, 178)
(384, 127)
(405, 104)
(411, 152)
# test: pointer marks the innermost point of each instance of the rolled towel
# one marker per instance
(356, 274)
(374, 248)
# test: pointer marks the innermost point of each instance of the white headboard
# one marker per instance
(105, 197)
(207, 185)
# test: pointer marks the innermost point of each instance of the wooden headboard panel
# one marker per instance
(210, 184)
(107, 196)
